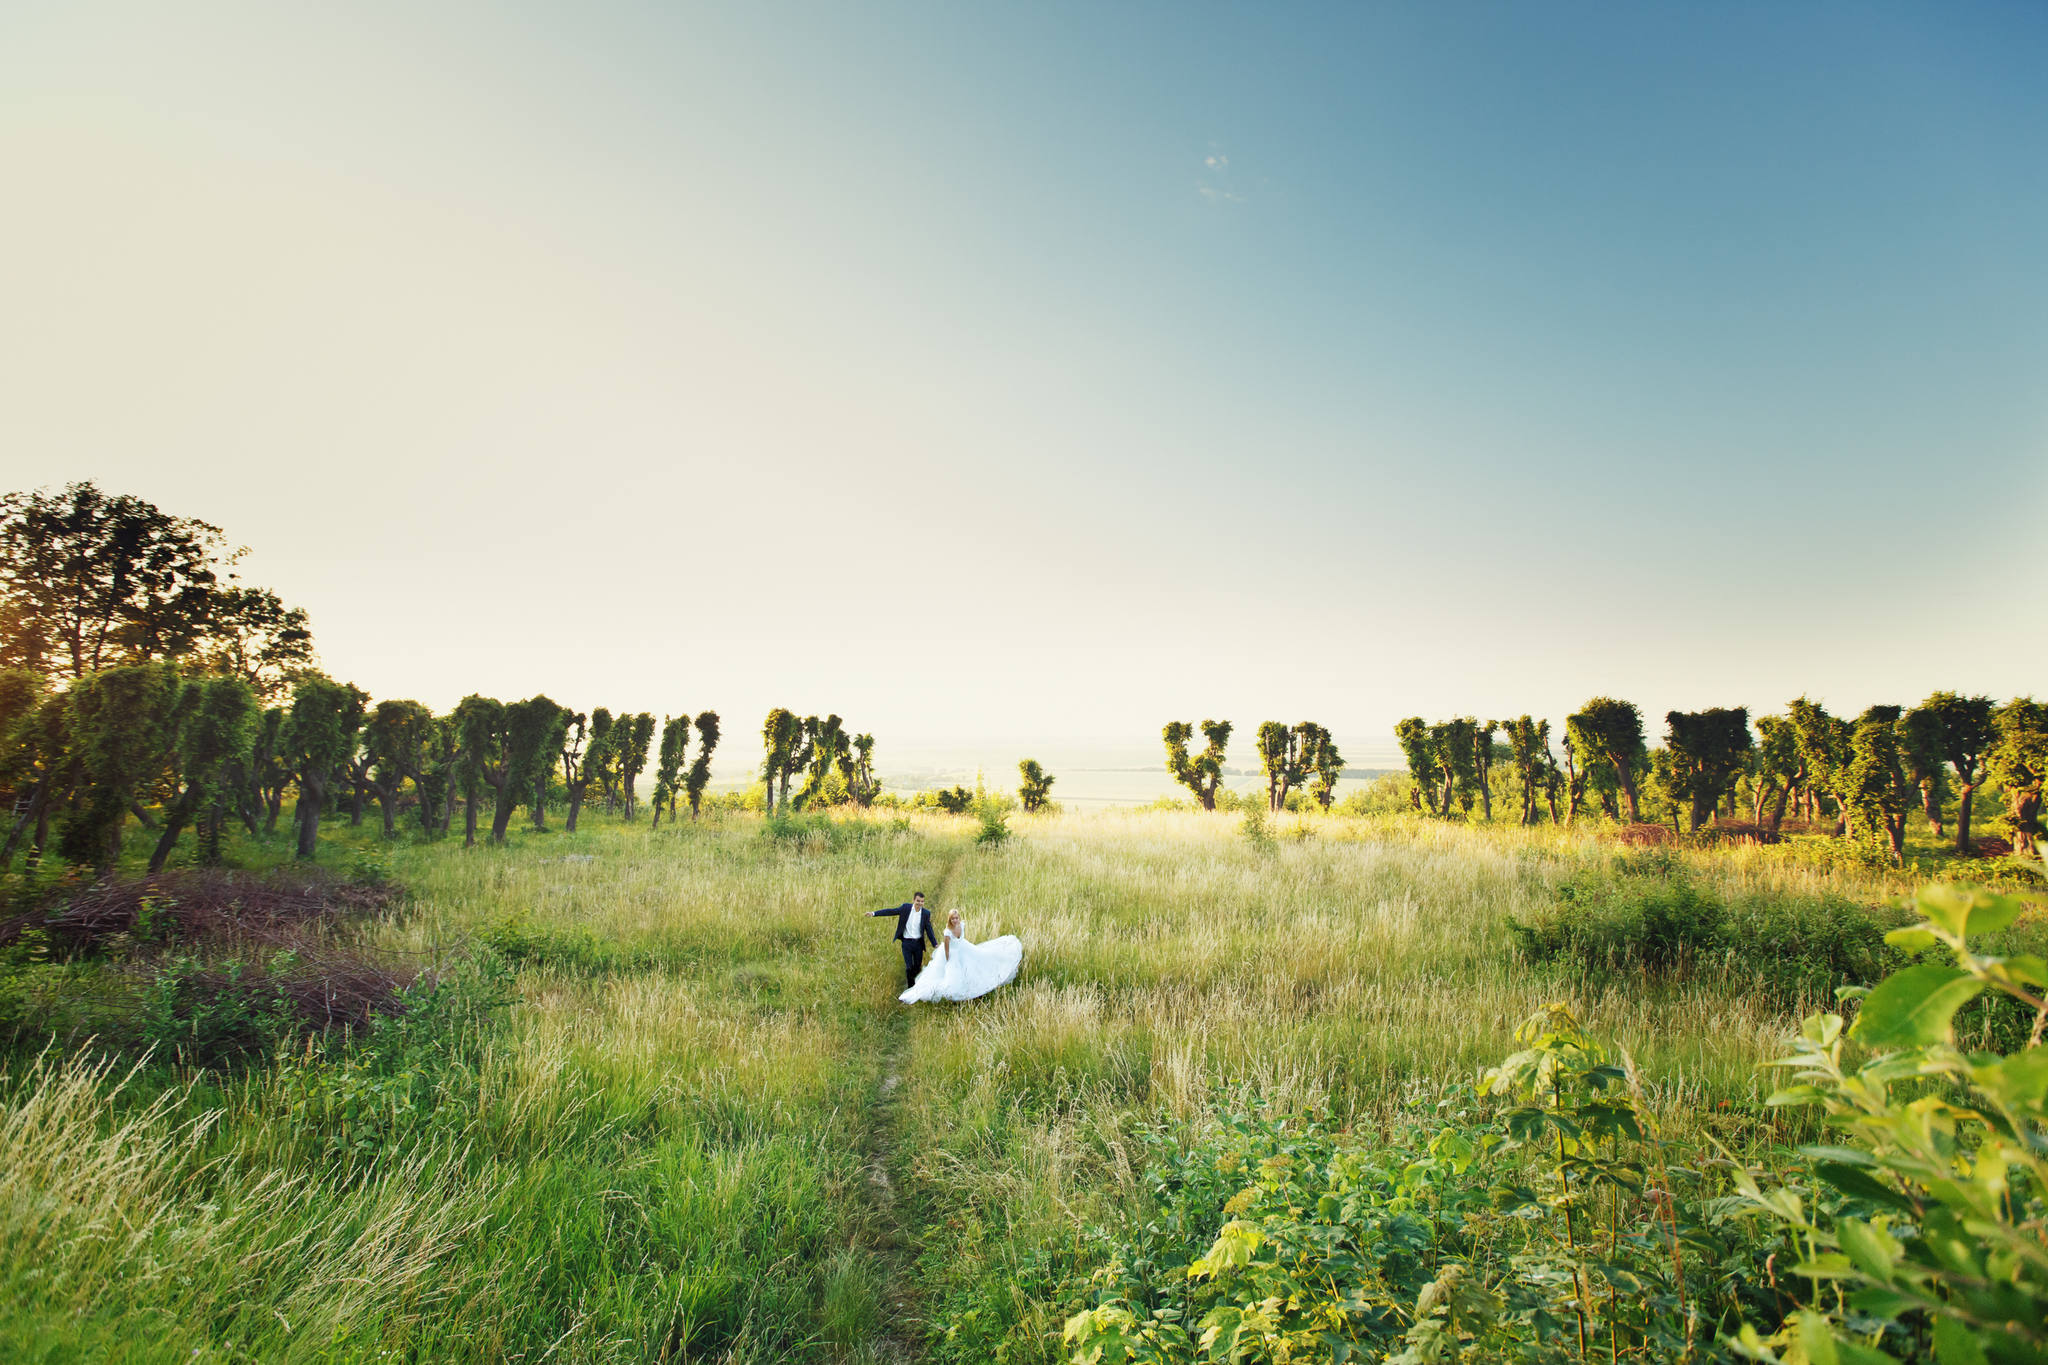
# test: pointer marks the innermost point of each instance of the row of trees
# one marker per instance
(176, 751)
(1866, 774)
(835, 767)
(1302, 755)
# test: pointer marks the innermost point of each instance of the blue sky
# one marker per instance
(1055, 370)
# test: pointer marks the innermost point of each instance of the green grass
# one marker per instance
(704, 1130)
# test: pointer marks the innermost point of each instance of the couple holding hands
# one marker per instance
(961, 970)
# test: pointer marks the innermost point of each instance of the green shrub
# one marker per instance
(1648, 916)
(995, 825)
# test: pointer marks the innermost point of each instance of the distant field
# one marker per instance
(702, 1129)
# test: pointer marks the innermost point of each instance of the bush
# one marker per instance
(1646, 916)
(995, 825)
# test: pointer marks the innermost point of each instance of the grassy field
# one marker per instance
(664, 1105)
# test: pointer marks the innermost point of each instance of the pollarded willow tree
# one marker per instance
(1873, 786)
(668, 766)
(216, 722)
(394, 740)
(1034, 785)
(2018, 762)
(1824, 754)
(1202, 773)
(1775, 768)
(861, 783)
(575, 774)
(121, 726)
(1612, 730)
(601, 759)
(1926, 768)
(1454, 746)
(700, 767)
(1528, 744)
(1963, 730)
(1709, 751)
(1321, 761)
(35, 756)
(1420, 752)
(315, 742)
(635, 735)
(782, 754)
(824, 751)
(1279, 750)
(505, 748)
(1482, 762)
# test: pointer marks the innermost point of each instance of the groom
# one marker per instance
(913, 931)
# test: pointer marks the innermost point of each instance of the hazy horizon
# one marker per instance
(1060, 371)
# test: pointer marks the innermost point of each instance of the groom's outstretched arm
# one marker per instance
(892, 910)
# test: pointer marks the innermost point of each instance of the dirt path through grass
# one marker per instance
(888, 1161)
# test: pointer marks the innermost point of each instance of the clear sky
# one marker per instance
(1056, 370)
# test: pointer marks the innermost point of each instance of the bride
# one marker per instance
(963, 970)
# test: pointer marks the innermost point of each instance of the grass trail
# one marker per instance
(888, 1169)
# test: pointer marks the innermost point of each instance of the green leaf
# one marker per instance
(1816, 1338)
(1873, 1250)
(1851, 1181)
(1947, 907)
(1953, 1344)
(2020, 1080)
(1913, 938)
(1914, 1007)
(2027, 968)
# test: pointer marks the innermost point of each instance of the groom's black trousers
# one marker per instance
(913, 959)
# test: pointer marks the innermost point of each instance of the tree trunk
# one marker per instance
(135, 809)
(274, 802)
(28, 815)
(1778, 815)
(312, 797)
(2023, 809)
(575, 805)
(355, 809)
(540, 801)
(388, 800)
(469, 799)
(1930, 805)
(1628, 790)
(175, 820)
(1963, 819)
(501, 818)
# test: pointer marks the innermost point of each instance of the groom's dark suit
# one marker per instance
(912, 943)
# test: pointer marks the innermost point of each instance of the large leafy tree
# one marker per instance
(2018, 762)
(123, 727)
(316, 741)
(1708, 752)
(707, 743)
(1963, 730)
(861, 783)
(1201, 773)
(1612, 731)
(215, 724)
(88, 580)
(395, 739)
(252, 635)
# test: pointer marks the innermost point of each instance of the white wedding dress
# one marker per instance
(969, 970)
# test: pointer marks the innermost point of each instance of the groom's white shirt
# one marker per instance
(913, 924)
